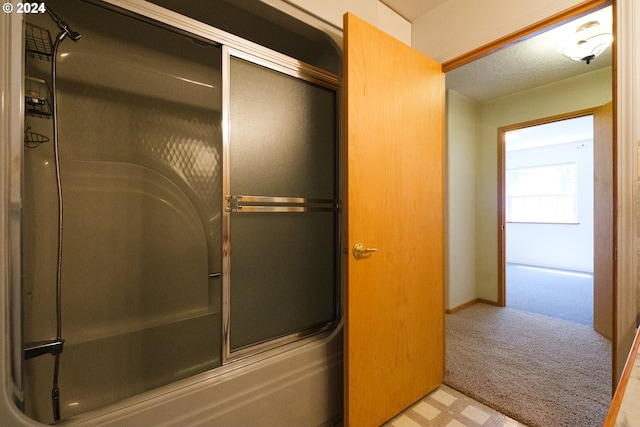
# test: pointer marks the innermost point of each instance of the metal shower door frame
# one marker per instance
(268, 59)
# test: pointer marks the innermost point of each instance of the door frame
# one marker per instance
(623, 268)
(502, 221)
(584, 8)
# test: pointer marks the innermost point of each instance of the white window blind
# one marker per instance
(542, 194)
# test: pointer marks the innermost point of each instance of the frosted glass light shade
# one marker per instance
(589, 41)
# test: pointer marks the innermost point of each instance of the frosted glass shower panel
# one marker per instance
(282, 275)
(283, 134)
(283, 242)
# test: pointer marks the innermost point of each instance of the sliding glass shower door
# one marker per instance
(200, 220)
(280, 219)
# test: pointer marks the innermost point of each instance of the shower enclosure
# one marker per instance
(187, 204)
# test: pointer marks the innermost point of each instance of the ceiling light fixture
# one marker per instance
(589, 41)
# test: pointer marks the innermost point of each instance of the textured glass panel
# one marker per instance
(282, 274)
(283, 134)
(282, 144)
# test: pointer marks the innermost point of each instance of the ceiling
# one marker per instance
(413, 9)
(521, 66)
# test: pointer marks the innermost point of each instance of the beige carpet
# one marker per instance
(540, 371)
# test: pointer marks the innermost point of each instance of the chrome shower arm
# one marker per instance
(64, 27)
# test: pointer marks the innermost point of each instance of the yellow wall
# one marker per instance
(462, 176)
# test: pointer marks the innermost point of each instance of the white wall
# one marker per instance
(392, 23)
(462, 145)
(565, 246)
(327, 16)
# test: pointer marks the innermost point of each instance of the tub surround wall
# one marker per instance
(140, 113)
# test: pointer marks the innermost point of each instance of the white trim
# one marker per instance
(11, 136)
(628, 144)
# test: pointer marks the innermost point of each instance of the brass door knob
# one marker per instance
(360, 251)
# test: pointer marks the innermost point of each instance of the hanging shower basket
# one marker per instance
(33, 139)
(38, 42)
(37, 98)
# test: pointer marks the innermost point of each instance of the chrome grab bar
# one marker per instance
(270, 204)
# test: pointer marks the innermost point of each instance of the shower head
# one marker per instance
(64, 27)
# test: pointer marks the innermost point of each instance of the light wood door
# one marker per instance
(394, 152)
(603, 220)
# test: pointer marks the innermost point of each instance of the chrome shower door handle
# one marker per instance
(360, 251)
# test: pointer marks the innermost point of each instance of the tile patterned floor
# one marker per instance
(445, 407)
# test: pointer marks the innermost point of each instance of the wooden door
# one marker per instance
(394, 153)
(603, 261)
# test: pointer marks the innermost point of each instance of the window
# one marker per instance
(542, 194)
